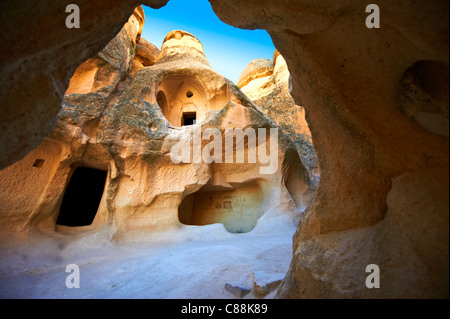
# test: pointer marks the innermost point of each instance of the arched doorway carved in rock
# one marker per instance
(183, 101)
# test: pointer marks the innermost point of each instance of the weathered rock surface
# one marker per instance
(374, 159)
(268, 85)
(104, 71)
(127, 124)
(39, 56)
(146, 55)
(257, 69)
(146, 52)
(383, 195)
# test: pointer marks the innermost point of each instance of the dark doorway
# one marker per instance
(82, 197)
(189, 118)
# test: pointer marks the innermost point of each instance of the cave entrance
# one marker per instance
(237, 207)
(189, 118)
(82, 197)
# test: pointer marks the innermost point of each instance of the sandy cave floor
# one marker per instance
(194, 262)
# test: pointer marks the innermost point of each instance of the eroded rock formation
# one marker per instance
(39, 56)
(122, 115)
(267, 84)
(383, 194)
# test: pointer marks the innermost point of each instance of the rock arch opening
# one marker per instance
(82, 197)
(182, 101)
(355, 121)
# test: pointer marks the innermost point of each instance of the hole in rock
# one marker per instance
(82, 197)
(295, 179)
(189, 118)
(423, 95)
(238, 207)
(162, 101)
(39, 163)
(189, 94)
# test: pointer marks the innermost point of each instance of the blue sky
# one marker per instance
(228, 49)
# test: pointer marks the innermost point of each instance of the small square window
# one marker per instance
(39, 163)
(189, 118)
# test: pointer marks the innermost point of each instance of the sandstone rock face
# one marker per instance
(375, 156)
(259, 71)
(125, 125)
(383, 194)
(180, 43)
(103, 72)
(146, 53)
(86, 97)
(268, 85)
(39, 56)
